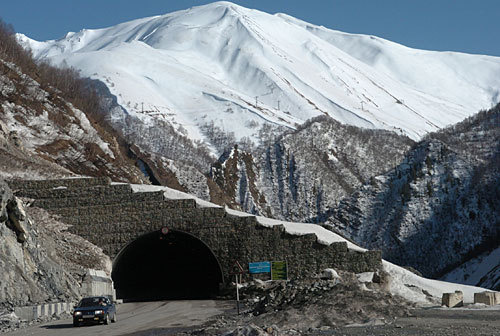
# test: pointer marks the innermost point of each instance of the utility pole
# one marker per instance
(362, 109)
(142, 107)
(278, 105)
(256, 97)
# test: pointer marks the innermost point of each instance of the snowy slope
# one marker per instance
(242, 68)
(481, 271)
(437, 208)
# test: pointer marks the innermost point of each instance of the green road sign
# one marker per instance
(279, 270)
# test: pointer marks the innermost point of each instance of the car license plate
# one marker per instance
(88, 316)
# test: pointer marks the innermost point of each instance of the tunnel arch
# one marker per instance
(163, 265)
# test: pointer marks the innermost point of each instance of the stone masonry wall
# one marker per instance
(112, 216)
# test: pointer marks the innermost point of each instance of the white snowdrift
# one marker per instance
(403, 282)
(410, 285)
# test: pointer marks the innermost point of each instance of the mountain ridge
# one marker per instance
(234, 66)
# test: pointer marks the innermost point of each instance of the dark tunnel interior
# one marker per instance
(170, 266)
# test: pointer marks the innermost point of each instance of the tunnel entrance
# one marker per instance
(159, 266)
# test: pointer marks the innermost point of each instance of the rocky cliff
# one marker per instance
(39, 259)
(303, 174)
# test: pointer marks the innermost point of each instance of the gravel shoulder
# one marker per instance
(435, 321)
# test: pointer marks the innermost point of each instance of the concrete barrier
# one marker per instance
(30, 313)
(488, 298)
(453, 299)
(98, 283)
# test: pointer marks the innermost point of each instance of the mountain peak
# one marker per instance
(242, 69)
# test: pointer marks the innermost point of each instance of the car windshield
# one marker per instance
(91, 302)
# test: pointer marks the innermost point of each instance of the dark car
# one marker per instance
(95, 309)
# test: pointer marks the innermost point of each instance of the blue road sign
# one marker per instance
(260, 267)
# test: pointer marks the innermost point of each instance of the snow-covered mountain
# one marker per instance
(242, 69)
(303, 174)
(437, 209)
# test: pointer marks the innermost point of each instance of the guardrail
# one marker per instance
(30, 313)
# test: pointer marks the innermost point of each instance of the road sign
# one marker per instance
(237, 269)
(164, 230)
(279, 270)
(259, 267)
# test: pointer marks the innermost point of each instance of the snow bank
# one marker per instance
(172, 194)
(411, 286)
(324, 236)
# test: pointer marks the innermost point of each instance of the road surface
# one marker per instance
(139, 318)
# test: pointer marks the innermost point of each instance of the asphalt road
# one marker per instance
(139, 318)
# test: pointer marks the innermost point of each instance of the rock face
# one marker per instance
(302, 175)
(5, 197)
(43, 134)
(35, 255)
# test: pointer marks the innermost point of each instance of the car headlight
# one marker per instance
(99, 312)
(78, 313)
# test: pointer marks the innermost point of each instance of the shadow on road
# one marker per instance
(58, 326)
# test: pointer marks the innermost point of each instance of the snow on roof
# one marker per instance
(323, 235)
(173, 194)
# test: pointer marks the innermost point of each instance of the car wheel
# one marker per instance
(113, 320)
(76, 324)
(106, 319)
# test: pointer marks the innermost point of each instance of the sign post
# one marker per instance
(237, 295)
(237, 270)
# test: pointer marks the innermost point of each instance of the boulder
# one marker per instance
(329, 274)
(17, 217)
(5, 197)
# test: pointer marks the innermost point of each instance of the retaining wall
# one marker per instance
(112, 216)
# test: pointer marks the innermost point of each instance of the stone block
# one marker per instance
(37, 312)
(43, 310)
(58, 308)
(453, 299)
(52, 309)
(24, 313)
(488, 298)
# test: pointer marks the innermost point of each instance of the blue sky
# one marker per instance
(456, 25)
